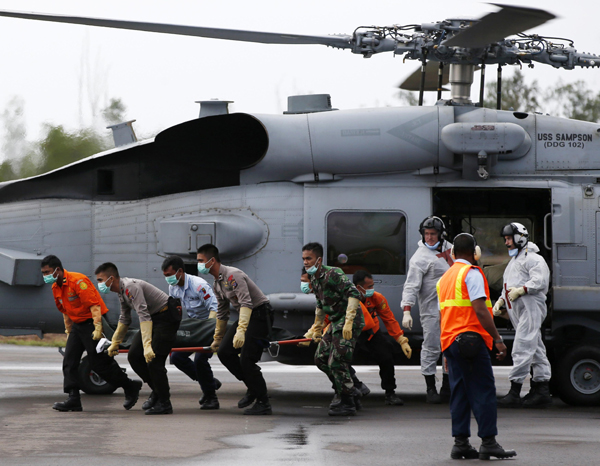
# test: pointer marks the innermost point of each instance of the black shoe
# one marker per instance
(211, 402)
(132, 393)
(362, 388)
(150, 402)
(205, 396)
(532, 389)
(161, 407)
(541, 398)
(489, 447)
(73, 403)
(463, 449)
(246, 400)
(513, 398)
(217, 384)
(392, 399)
(445, 389)
(336, 401)
(433, 397)
(345, 408)
(260, 407)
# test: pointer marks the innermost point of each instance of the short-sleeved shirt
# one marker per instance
(474, 282)
(233, 287)
(197, 296)
(141, 296)
(76, 295)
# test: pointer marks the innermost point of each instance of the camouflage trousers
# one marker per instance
(334, 355)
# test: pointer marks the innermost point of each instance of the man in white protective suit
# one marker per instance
(426, 267)
(526, 281)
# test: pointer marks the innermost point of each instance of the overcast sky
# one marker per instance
(59, 69)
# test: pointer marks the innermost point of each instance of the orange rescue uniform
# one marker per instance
(76, 296)
(378, 306)
(457, 314)
(369, 322)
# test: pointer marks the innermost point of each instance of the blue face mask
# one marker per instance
(513, 252)
(305, 287)
(435, 246)
(103, 287)
(50, 279)
(369, 293)
(172, 279)
(202, 269)
(314, 268)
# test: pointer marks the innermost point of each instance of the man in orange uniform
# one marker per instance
(468, 334)
(83, 308)
(375, 342)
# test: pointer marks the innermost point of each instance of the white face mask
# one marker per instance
(435, 246)
(513, 252)
(314, 268)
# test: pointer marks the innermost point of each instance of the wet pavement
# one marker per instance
(298, 432)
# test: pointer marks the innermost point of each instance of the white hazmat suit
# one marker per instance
(425, 268)
(528, 269)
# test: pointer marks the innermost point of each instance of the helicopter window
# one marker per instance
(105, 182)
(373, 241)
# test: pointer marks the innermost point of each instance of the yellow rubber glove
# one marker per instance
(220, 328)
(516, 293)
(406, 349)
(317, 328)
(497, 309)
(97, 316)
(407, 320)
(146, 329)
(240, 334)
(117, 339)
(68, 324)
(308, 334)
(353, 305)
(212, 315)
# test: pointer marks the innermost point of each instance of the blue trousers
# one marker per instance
(199, 370)
(472, 388)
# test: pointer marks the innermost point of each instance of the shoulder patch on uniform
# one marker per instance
(83, 285)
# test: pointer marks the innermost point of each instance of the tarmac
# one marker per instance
(298, 432)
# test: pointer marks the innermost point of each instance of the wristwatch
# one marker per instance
(499, 341)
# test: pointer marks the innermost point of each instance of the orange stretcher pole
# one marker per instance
(207, 349)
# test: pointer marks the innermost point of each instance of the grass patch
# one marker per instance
(50, 339)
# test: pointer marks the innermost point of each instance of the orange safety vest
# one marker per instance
(456, 309)
(76, 295)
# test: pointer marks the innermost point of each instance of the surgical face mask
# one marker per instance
(305, 287)
(435, 246)
(103, 287)
(203, 269)
(50, 279)
(314, 268)
(369, 293)
(513, 252)
(172, 279)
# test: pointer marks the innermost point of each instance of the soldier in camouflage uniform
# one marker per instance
(338, 298)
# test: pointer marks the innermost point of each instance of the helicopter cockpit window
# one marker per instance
(373, 241)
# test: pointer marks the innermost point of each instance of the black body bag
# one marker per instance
(469, 344)
(174, 309)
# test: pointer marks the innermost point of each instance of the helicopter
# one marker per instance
(359, 181)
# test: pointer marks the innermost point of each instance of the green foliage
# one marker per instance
(7, 171)
(576, 101)
(114, 112)
(408, 98)
(516, 94)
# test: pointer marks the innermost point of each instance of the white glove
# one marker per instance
(516, 293)
(407, 320)
(497, 307)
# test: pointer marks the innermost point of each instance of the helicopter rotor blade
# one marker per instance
(214, 33)
(496, 26)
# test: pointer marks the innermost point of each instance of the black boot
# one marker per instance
(336, 401)
(463, 449)
(445, 390)
(362, 388)
(261, 406)
(210, 401)
(432, 394)
(392, 399)
(204, 395)
(489, 447)
(356, 395)
(345, 408)
(132, 393)
(161, 407)
(541, 398)
(150, 402)
(73, 403)
(532, 388)
(513, 398)
(246, 400)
